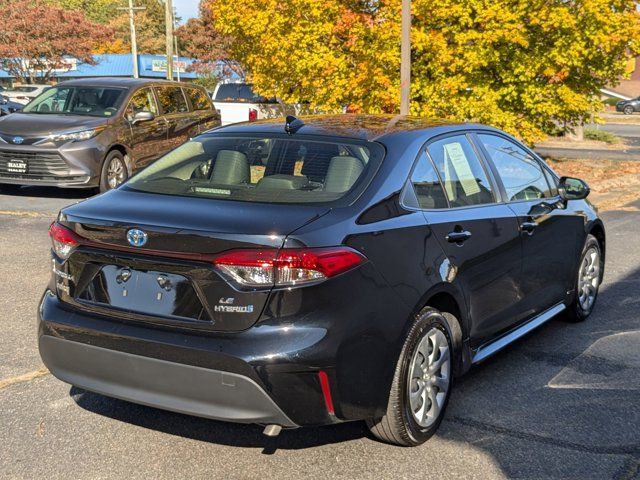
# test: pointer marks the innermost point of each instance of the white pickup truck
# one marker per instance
(237, 102)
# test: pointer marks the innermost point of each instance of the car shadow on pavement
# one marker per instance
(568, 393)
(546, 392)
(49, 192)
(205, 430)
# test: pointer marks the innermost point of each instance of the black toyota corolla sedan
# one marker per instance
(315, 271)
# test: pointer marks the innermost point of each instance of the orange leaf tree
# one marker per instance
(38, 38)
(522, 65)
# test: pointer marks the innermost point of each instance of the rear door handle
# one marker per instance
(458, 237)
(529, 226)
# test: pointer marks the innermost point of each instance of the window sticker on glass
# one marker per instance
(457, 159)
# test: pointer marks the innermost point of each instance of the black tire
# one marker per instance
(399, 426)
(112, 157)
(576, 312)
(628, 110)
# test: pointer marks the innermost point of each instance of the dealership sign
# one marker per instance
(44, 65)
(160, 65)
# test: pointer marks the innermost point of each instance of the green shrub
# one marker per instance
(600, 135)
(611, 101)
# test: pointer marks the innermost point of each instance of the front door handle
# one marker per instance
(528, 226)
(458, 237)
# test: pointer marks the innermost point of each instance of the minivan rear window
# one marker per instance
(241, 93)
(262, 169)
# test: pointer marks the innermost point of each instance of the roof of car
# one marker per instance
(119, 82)
(360, 126)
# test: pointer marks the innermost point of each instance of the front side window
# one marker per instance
(171, 100)
(141, 101)
(262, 169)
(88, 101)
(521, 174)
(464, 178)
(426, 184)
(199, 100)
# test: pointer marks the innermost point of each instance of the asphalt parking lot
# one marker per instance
(562, 403)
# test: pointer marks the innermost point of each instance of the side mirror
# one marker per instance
(142, 117)
(573, 188)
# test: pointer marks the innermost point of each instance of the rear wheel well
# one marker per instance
(448, 306)
(598, 231)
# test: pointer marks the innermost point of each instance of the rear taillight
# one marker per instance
(287, 267)
(64, 240)
(253, 114)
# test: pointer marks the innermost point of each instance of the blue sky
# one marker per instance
(186, 8)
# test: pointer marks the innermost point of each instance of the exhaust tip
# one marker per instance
(272, 430)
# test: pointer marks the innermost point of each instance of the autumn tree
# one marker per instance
(210, 48)
(522, 65)
(150, 23)
(40, 37)
(150, 26)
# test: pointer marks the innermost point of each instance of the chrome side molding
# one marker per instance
(487, 350)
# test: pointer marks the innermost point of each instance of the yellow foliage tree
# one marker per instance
(521, 65)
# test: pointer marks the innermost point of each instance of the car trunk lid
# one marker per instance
(170, 280)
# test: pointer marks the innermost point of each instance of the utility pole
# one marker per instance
(168, 18)
(134, 43)
(175, 47)
(405, 58)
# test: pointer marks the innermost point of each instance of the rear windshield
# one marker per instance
(241, 93)
(269, 170)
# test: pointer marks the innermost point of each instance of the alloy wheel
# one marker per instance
(116, 173)
(429, 377)
(589, 279)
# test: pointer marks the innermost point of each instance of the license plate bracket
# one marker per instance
(17, 166)
(148, 292)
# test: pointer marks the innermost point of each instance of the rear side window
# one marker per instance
(463, 176)
(270, 170)
(521, 174)
(426, 184)
(171, 100)
(199, 101)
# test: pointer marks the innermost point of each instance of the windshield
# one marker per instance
(262, 169)
(240, 92)
(90, 101)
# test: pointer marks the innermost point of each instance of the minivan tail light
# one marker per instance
(288, 267)
(253, 114)
(64, 241)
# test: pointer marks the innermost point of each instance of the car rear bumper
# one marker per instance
(287, 352)
(243, 377)
(158, 383)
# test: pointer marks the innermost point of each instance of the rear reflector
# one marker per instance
(63, 240)
(287, 267)
(326, 391)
